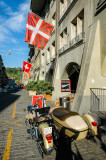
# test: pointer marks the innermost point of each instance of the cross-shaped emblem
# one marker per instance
(36, 30)
(26, 66)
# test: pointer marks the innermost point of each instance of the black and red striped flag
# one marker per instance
(38, 31)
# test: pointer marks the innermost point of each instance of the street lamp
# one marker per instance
(9, 53)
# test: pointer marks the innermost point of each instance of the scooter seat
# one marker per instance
(71, 123)
(62, 113)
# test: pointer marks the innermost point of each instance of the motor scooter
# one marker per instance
(46, 129)
(72, 125)
(39, 125)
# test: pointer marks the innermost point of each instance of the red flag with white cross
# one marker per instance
(38, 31)
(26, 66)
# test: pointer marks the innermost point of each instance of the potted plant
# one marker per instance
(30, 87)
(41, 87)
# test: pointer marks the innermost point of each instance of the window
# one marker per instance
(63, 6)
(77, 25)
(74, 28)
(54, 19)
(63, 38)
(53, 50)
(42, 58)
(48, 55)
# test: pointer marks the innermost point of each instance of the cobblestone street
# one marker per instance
(22, 146)
(15, 140)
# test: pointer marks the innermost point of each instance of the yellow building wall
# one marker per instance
(102, 19)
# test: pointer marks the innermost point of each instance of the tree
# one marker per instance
(14, 73)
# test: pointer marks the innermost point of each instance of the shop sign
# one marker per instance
(26, 75)
(65, 85)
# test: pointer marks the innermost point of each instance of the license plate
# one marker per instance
(48, 130)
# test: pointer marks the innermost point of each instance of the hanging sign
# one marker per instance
(26, 75)
(65, 85)
(39, 100)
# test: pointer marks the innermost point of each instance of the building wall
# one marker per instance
(75, 54)
(90, 55)
(3, 76)
(92, 74)
(76, 18)
(48, 53)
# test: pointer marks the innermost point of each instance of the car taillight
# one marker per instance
(94, 124)
(49, 138)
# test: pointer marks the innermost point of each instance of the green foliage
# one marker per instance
(31, 86)
(15, 73)
(41, 87)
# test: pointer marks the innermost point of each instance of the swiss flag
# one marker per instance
(38, 31)
(26, 66)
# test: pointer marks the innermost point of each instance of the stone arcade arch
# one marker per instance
(71, 72)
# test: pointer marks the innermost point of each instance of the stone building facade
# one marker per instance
(3, 76)
(76, 50)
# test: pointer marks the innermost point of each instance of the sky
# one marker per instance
(12, 32)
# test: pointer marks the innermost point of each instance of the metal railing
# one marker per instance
(80, 37)
(100, 3)
(97, 99)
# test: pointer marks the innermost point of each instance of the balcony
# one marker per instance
(100, 3)
(62, 49)
(100, 6)
(78, 39)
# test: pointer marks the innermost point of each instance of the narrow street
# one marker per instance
(16, 143)
(13, 136)
(55, 48)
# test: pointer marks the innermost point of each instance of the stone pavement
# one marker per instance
(24, 148)
(86, 149)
